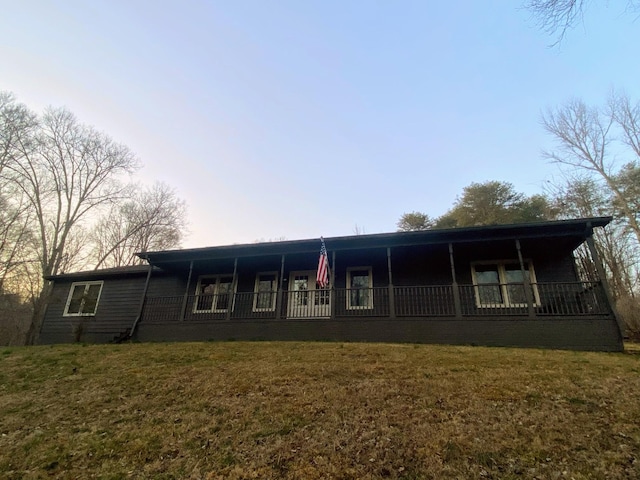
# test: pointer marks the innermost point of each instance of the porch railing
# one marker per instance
(424, 301)
(496, 300)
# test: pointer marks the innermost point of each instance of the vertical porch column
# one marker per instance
(332, 289)
(183, 310)
(232, 293)
(603, 278)
(392, 298)
(527, 281)
(454, 283)
(280, 290)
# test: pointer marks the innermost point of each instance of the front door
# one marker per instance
(306, 299)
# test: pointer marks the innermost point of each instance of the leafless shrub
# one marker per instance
(628, 309)
(15, 316)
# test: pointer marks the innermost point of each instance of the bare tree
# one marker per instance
(17, 125)
(65, 204)
(153, 219)
(66, 172)
(586, 139)
(358, 230)
(269, 240)
(583, 196)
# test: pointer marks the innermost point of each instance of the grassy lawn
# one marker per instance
(317, 410)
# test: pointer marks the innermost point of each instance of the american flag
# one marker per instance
(322, 277)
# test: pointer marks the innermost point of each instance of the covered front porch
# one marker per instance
(499, 285)
(565, 299)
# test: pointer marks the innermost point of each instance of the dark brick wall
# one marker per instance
(573, 334)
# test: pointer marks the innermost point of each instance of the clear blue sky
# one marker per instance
(304, 118)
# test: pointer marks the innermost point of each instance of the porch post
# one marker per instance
(603, 279)
(232, 293)
(183, 310)
(280, 289)
(332, 289)
(527, 281)
(392, 299)
(454, 284)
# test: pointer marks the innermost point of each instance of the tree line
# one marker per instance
(67, 203)
(597, 151)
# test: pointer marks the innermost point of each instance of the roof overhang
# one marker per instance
(128, 271)
(576, 229)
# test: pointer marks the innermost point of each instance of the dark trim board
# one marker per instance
(596, 334)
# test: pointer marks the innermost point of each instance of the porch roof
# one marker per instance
(575, 231)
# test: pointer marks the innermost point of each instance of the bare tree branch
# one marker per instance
(584, 139)
(627, 116)
(154, 219)
(557, 17)
(583, 195)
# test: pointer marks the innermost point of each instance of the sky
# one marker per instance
(300, 119)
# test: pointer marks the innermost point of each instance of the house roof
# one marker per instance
(573, 232)
(576, 229)
(131, 270)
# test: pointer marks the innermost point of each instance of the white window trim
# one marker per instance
(256, 292)
(369, 305)
(503, 284)
(86, 288)
(214, 300)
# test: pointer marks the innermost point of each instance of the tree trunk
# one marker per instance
(39, 310)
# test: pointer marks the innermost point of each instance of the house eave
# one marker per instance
(116, 272)
(578, 228)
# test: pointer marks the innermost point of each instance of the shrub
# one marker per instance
(629, 311)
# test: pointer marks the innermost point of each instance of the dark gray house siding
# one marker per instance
(421, 289)
(117, 309)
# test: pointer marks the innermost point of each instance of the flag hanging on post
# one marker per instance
(322, 277)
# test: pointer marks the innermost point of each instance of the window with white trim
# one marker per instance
(213, 293)
(264, 298)
(502, 283)
(83, 299)
(359, 288)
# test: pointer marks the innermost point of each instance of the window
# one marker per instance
(213, 293)
(499, 284)
(359, 288)
(265, 291)
(83, 299)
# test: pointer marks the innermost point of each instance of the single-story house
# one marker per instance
(499, 285)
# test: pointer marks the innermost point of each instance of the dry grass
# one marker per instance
(317, 410)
